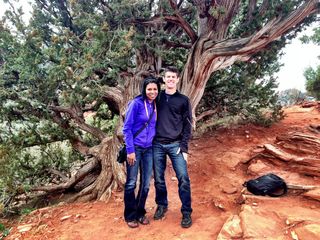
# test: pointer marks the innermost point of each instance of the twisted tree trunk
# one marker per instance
(210, 53)
(112, 174)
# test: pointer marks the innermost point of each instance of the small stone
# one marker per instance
(229, 190)
(294, 235)
(219, 205)
(174, 179)
(65, 218)
(24, 228)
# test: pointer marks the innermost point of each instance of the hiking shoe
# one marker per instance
(133, 224)
(143, 220)
(186, 220)
(161, 210)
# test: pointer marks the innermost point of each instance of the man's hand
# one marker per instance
(131, 158)
(185, 155)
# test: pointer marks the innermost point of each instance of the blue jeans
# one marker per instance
(135, 206)
(180, 167)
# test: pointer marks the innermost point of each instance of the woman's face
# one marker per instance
(151, 91)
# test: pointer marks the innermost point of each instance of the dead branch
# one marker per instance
(58, 173)
(77, 116)
(113, 97)
(300, 187)
(73, 180)
(206, 113)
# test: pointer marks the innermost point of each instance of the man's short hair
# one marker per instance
(172, 69)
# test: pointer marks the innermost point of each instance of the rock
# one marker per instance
(24, 228)
(259, 224)
(231, 229)
(65, 218)
(259, 168)
(294, 235)
(229, 189)
(219, 205)
(315, 194)
(258, 150)
(310, 232)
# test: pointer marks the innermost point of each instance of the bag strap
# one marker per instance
(144, 126)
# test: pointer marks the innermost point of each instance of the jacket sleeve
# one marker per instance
(128, 126)
(187, 126)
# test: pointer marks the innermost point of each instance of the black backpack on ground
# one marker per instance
(269, 184)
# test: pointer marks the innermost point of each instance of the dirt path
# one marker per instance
(216, 176)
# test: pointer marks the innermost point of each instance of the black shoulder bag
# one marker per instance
(269, 184)
(122, 154)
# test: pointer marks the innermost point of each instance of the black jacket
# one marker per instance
(174, 119)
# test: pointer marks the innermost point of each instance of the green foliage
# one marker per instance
(246, 89)
(315, 37)
(290, 97)
(313, 75)
(275, 8)
(66, 56)
(22, 168)
(26, 211)
(71, 52)
(313, 81)
(4, 231)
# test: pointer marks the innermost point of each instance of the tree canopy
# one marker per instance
(313, 75)
(68, 74)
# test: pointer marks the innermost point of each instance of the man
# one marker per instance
(172, 136)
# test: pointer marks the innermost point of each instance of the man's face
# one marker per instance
(171, 79)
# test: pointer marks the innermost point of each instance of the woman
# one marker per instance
(139, 129)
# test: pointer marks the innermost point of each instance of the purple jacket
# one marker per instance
(136, 117)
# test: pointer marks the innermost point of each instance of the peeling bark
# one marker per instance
(208, 55)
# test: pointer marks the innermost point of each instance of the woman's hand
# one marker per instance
(131, 158)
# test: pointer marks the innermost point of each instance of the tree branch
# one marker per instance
(113, 97)
(176, 19)
(170, 44)
(77, 117)
(73, 180)
(206, 113)
(251, 8)
(270, 32)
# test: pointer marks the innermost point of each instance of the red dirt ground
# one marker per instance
(214, 167)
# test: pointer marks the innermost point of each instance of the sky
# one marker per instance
(296, 59)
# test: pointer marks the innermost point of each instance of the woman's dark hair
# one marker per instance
(146, 81)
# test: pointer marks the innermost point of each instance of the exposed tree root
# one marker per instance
(86, 169)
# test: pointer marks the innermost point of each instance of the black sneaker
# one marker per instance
(186, 220)
(161, 210)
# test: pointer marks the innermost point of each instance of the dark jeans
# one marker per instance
(135, 206)
(180, 167)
